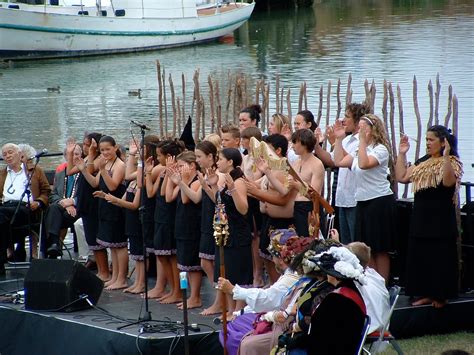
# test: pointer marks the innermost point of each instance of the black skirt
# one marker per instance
(376, 223)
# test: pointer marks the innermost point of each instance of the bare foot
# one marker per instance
(167, 295)
(422, 301)
(117, 286)
(104, 277)
(129, 289)
(171, 299)
(439, 304)
(110, 282)
(138, 289)
(155, 293)
(214, 309)
(192, 303)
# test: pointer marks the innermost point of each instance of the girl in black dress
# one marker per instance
(164, 245)
(87, 205)
(130, 201)
(183, 187)
(237, 251)
(111, 220)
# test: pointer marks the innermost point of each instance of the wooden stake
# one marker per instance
(320, 108)
(305, 97)
(211, 103)
(328, 109)
(349, 91)
(288, 104)
(450, 103)
(229, 94)
(173, 103)
(219, 107)
(183, 113)
(430, 119)
(418, 118)
(277, 92)
(300, 98)
(178, 106)
(384, 103)
(165, 101)
(373, 92)
(160, 97)
(455, 115)
(338, 93)
(437, 93)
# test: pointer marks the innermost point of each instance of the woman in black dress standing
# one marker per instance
(237, 251)
(432, 240)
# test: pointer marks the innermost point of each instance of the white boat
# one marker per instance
(37, 31)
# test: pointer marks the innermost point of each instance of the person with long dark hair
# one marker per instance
(237, 251)
(249, 116)
(111, 232)
(433, 234)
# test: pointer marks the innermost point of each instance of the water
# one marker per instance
(392, 40)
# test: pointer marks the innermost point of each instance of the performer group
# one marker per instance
(244, 208)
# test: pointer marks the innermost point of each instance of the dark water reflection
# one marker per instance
(377, 40)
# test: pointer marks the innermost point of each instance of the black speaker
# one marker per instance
(60, 285)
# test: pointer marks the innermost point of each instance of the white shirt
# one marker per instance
(376, 299)
(268, 299)
(15, 185)
(372, 183)
(346, 188)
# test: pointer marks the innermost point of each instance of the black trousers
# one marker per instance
(56, 218)
(7, 210)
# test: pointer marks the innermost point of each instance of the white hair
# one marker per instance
(27, 150)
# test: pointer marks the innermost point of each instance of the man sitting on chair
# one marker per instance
(13, 179)
(62, 212)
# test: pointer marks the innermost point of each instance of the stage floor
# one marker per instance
(94, 331)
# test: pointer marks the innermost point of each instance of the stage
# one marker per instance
(94, 331)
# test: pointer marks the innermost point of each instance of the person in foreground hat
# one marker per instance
(284, 245)
(336, 325)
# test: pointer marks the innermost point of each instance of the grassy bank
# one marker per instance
(436, 344)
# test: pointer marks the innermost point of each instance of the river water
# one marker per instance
(386, 39)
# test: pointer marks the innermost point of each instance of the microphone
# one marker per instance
(217, 321)
(39, 155)
(141, 125)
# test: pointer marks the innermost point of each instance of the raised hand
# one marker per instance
(149, 164)
(318, 134)
(404, 145)
(170, 161)
(102, 162)
(212, 177)
(175, 176)
(132, 147)
(93, 148)
(229, 182)
(186, 173)
(79, 163)
(364, 131)
(330, 135)
(70, 146)
(286, 131)
(338, 129)
(447, 148)
(261, 165)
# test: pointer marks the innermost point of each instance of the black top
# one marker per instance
(86, 203)
(108, 211)
(187, 219)
(207, 215)
(164, 212)
(239, 229)
(133, 226)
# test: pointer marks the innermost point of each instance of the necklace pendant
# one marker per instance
(11, 190)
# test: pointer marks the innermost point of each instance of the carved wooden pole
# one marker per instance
(430, 91)
(450, 103)
(173, 104)
(418, 118)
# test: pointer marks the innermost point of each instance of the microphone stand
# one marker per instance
(27, 192)
(147, 316)
(183, 282)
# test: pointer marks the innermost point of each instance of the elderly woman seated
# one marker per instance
(274, 304)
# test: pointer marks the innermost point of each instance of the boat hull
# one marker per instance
(30, 35)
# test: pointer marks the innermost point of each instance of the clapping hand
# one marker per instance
(252, 186)
(331, 136)
(132, 147)
(102, 162)
(149, 165)
(364, 131)
(229, 182)
(70, 146)
(261, 165)
(286, 131)
(338, 129)
(212, 177)
(79, 163)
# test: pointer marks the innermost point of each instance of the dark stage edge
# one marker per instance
(93, 332)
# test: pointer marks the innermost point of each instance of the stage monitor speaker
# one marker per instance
(60, 285)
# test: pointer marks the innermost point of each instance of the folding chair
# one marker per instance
(365, 331)
(384, 334)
